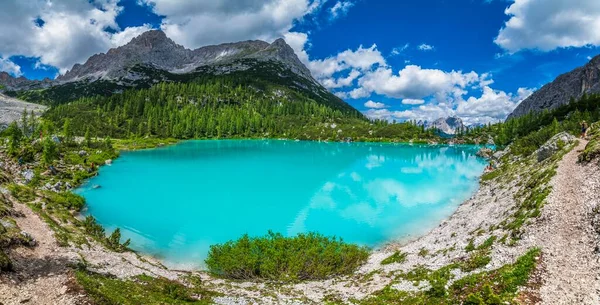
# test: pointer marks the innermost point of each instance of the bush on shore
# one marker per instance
(274, 257)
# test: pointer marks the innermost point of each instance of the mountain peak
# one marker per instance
(151, 38)
(448, 126)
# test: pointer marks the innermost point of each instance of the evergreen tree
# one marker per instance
(50, 152)
(15, 135)
(67, 132)
(88, 139)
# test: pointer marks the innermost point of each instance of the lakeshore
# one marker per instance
(460, 245)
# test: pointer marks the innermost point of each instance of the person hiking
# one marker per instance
(584, 129)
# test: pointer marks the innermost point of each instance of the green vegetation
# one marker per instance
(527, 133)
(106, 290)
(222, 109)
(398, 257)
(592, 149)
(275, 257)
(498, 286)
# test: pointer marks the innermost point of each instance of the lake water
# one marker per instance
(174, 202)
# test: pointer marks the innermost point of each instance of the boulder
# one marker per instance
(82, 153)
(485, 152)
(108, 162)
(501, 153)
(28, 175)
(553, 145)
(27, 239)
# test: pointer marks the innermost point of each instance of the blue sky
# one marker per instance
(395, 60)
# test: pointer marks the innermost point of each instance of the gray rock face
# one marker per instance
(448, 126)
(156, 50)
(553, 145)
(583, 80)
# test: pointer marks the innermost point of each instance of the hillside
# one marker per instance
(565, 88)
(153, 58)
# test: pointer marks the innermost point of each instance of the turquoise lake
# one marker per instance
(174, 202)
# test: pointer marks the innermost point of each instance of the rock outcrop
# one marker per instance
(574, 84)
(553, 145)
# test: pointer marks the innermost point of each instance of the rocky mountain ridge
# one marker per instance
(153, 49)
(571, 85)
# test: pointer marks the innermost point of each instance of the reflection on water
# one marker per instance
(175, 202)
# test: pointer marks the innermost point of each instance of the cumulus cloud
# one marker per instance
(10, 67)
(198, 23)
(375, 105)
(549, 24)
(413, 82)
(491, 106)
(340, 9)
(333, 83)
(340, 70)
(61, 32)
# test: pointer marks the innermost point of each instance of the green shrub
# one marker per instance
(114, 241)
(67, 199)
(22, 193)
(275, 257)
(139, 290)
(397, 257)
(476, 261)
(92, 227)
(5, 263)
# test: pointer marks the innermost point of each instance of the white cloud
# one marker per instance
(199, 23)
(359, 93)
(408, 101)
(340, 9)
(413, 82)
(375, 105)
(491, 106)
(426, 47)
(71, 31)
(122, 38)
(333, 83)
(327, 71)
(550, 24)
(10, 67)
(399, 50)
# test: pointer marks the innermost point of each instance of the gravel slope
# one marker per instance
(566, 235)
(11, 109)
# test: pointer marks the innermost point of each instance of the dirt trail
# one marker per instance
(566, 235)
(43, 275)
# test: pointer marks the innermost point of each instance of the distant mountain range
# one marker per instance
(447, 126)
(574, 84)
